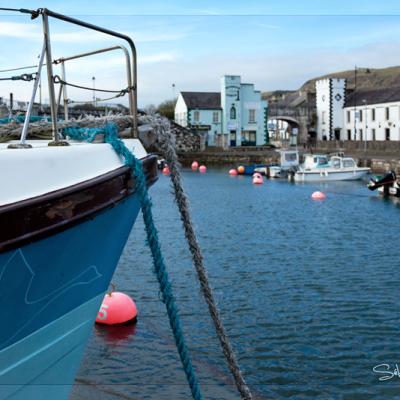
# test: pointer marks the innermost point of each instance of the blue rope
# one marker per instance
(110, 132)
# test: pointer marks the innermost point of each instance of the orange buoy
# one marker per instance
(233, 172)
(257, 178)
(240, 169)
(202, 169)
(117, 308)
(318, 196)
(195, 165)
(166, 170)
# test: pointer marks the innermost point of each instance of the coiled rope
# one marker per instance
(167, 143)
(110, 133)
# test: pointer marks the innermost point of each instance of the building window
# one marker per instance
(252, 116)
(348, 116)
(323, 117)
(373, 114)
(360, 115)
(387, 113)
(215, 117)
(387, 132)
(348, 134)
(360, 133)
(373, 134)
(196, 116)
(233, 112)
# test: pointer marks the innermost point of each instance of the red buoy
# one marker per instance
(117, 308)
(258, 179)
(233, 172)
(166, 170)
(202, 169)
(195, 165)
(318, 196)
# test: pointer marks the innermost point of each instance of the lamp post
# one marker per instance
(355, 102)
(94, 90)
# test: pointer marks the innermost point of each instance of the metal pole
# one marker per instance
(355, 103)
(22, 144)
(65, 96)
(94, 90)
(50, 76)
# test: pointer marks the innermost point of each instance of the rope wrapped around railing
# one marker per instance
(42, 129)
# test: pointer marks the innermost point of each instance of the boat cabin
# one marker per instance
(340, 163)
(315, 161)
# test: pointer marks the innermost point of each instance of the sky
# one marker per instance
(188, 45)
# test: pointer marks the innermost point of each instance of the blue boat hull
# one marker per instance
(50, 291)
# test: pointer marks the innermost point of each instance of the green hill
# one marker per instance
(367, 78)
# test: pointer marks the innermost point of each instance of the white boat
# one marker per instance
(321, 168)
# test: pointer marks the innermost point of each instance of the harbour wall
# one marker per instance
(379, 158)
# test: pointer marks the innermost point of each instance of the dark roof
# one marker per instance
(202, 100)
(372, 96)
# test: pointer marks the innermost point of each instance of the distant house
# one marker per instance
(363, 115)
(234, 117)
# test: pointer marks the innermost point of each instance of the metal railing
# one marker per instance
(131, 68)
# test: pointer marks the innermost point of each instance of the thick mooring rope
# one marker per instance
(167, 143)
(110, 133)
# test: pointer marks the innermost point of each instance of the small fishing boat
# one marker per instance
(66, 211)
(388, 185)
(322, 168)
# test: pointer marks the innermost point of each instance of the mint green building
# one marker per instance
(237, 116)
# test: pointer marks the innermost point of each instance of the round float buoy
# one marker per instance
(233, 172)
(202, 169)
(257, 178)
(240, 169)
(195, 165)
(117, 308)
(166, 170)
(318, 196)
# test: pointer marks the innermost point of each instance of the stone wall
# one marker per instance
(186, 140)
(387, 147)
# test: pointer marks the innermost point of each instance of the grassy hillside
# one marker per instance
(367, 78)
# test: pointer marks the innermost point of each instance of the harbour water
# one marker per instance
(308, 292)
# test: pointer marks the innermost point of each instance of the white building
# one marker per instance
(234, 117)
(330, 99)
(372, 115)
(362, 115)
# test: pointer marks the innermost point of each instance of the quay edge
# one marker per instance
(378, 162)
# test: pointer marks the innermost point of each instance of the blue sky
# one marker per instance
(276, 45)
